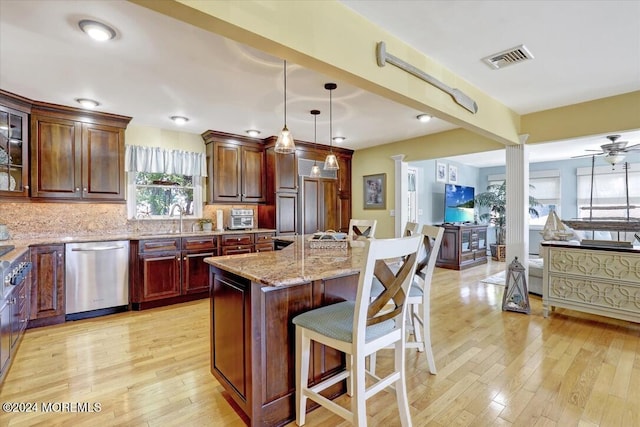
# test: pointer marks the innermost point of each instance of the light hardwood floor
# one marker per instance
(151, 368)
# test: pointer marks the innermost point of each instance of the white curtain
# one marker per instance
(159, 160)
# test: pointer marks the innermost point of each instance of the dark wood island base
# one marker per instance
(252, 337)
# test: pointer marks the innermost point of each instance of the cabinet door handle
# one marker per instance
(84, 189)
(77, 189)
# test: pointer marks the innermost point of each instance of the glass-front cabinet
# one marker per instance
(14, 140)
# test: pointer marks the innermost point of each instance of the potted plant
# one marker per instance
(206, 224)
(495, 198)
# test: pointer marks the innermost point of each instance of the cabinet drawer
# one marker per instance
(200, 243)
(236, 239)
(468, 256)
(159, 245)
(263, 238)
(264, 247)
(612, 295)
(234, 250)
(617, 266)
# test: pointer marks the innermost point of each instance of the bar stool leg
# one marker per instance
(303, 348)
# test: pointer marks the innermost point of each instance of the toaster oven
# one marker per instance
(241, 219)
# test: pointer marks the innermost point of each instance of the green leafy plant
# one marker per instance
(203, 221)
(495, 198)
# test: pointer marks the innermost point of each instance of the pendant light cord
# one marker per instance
(285, 93)
(331, 120)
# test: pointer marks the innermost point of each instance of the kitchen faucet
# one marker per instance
(180, 211)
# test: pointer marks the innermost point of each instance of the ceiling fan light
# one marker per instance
(613, 158)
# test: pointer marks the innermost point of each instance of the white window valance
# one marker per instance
(159, 160)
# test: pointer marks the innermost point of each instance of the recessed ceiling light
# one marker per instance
(424, 118)
(179, 120)
(253, 132)
(97, 30)
(338, 139)
(87, 103)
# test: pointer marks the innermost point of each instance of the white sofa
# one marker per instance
(535, 276)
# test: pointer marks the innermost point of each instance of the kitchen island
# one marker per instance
(253, 299)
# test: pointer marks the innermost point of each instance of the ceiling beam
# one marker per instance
(329, 38)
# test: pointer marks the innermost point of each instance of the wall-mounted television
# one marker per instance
(458, 203)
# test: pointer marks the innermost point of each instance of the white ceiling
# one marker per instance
(158, 67)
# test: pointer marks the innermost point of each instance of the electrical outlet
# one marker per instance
(392, 212)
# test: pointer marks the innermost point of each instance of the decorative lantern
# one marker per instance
(516, 294)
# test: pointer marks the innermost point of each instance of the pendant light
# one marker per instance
(331, 162)
(285, 144)
(315, 169)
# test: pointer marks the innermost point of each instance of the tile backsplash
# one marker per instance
(30, 220)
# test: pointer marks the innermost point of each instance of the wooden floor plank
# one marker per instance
(495, 368)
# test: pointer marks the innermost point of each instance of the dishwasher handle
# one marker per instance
(97, 249)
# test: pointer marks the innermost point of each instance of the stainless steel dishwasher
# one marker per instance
(96, 278)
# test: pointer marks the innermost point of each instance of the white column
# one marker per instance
(517, 239)
(401, 190)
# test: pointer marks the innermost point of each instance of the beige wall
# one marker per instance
(172, 140)
(596, 117)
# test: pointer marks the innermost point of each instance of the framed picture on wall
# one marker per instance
(453, 174)
(374, 191)
(441, 172)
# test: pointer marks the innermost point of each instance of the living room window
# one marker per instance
(545, 187)
(609, 192)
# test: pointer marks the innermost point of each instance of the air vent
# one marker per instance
(508, 57)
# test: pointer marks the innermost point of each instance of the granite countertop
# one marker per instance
(56, 240)
(295, 264)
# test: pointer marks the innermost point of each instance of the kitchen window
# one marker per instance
(159, 179)
(156, 193)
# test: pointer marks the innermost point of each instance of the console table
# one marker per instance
(598, 280)
(463, 246)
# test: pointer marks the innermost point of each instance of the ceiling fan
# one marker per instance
(614, 151)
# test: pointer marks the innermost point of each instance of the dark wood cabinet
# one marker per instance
(47, 288)
(263, 242)
(195, 272)
(327, 201)
(14, 144)
(233, 244)
(236, 168)
(167, 271)
(463, 246)
(320, 204)
(253, 353)
(14, 313)
(77, 155)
